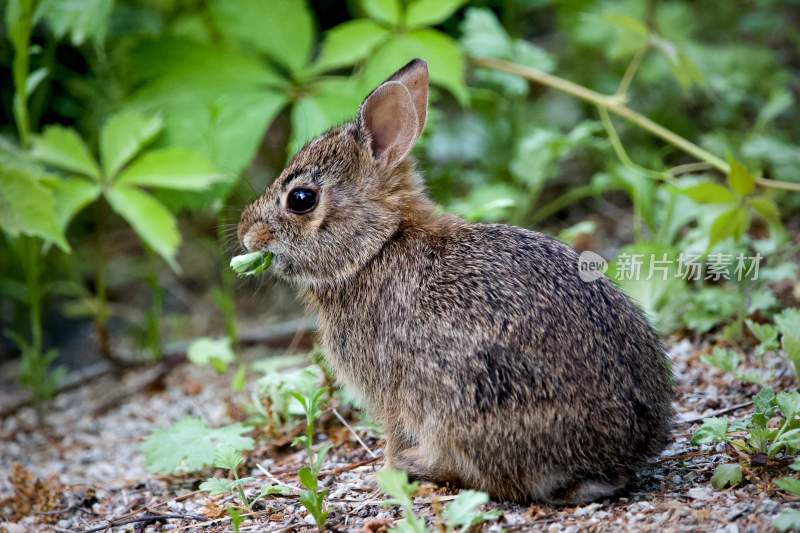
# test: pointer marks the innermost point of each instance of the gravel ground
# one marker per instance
(81, 467)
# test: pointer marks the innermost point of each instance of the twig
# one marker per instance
(616, 105)
(275, 479)
(361, 442)
(718, 412)
(347, 468)
(145, 518)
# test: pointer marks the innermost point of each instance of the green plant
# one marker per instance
(230, 459)
(251, 264)
(313, 499)
(216, 353)
(756, 437)
(461, 514)
(727, 360)
(190, 445)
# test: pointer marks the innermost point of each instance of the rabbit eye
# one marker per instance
(301, 200)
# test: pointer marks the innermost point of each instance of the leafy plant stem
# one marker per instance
(560, 202)
(226, 301)
(101, 313)
(19, 15)
(33, 275)
(615, 105)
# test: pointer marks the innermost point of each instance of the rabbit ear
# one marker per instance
(415, 78)
(389, 117)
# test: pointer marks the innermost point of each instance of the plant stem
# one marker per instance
(34, 279)
(156, 305)
(617, 106)
(20, 15)
(631, 71)
(101, 313)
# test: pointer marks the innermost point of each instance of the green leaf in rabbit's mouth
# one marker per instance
(252, 264)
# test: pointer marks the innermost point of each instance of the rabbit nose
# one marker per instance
(256, 237)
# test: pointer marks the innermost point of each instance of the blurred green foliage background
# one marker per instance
(134, 130)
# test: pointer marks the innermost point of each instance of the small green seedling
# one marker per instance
(252, 264)
(761, 438)
(230, 459)
(460, 515)
(313, 499)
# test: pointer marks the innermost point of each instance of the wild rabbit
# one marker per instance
(489, 362)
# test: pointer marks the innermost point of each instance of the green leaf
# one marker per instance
(764, 402)
(387, 11)
(349, 43)
(239, 380)
(215, 352)
(28, 207)
(464, 511)
(712, 431)
(788, 321)
(445, 61)
(170, 168)
(787, 520)
(789, 484)
(252, 264)
(788, 403)
(153, 222)
(228, 458)
(282, 29)
(190, 445)
(788, 439)
(706, 192)
(395, 484)
(766, 209)
(216, 486)
(271, 490)
(332, 102)
(791, 346)
(62, 148)
(724, 359)
(71, 195)
(80, 19)
(307, 478)
(430, 12)
(740, 179)
(726, 475)
(730, 223)
(123, 136)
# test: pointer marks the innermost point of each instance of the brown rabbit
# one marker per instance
(488, 360)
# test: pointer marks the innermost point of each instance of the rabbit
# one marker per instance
(489, 363)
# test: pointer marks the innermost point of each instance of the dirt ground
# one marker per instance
(82, 469)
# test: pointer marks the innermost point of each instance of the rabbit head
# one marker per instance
(346, 192)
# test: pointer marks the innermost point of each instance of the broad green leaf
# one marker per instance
(789, 484)
(71, 195)
(730, 223)
(430, 12)
(123, 136)
(445, 61)
(713, 430)
(190, 445)
(387, 11)
(62, 148)
(27, 207)
(788, 403)
(789, 519)
(707, 192)
(270, 490)
(766, 209)
(333, 102)
(395, 484)
(464, 511)
(80, 19)
(726, 475)
(251, 264)
(214, 352)
(788, 321)
(484, 36)
(307, 478)
(170, 168)
(149, 218)
(216, 486)
(282, 29)
(349, 43)
(740, 179)
(228, 458)
(726, 360)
